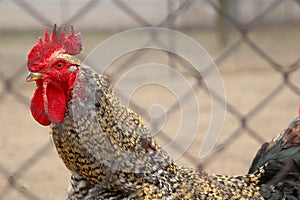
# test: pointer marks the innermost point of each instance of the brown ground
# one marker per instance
(247, 79)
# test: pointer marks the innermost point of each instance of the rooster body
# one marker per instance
(112, 161)
(110, 152)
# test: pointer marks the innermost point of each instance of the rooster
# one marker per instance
(110, 152)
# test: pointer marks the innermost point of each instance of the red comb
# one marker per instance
(298, 110)
(42, 50)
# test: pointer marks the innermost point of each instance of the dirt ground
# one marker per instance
(248, 78)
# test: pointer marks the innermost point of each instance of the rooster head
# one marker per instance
(54, 68)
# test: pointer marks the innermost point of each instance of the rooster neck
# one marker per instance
(92, 142)
(73, 135)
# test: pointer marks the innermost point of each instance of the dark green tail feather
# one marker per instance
(281, 178)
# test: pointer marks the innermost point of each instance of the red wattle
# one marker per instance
(48, 103)
(56, 102)
(37, 106)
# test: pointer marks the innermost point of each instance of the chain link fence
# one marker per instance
(255, 45)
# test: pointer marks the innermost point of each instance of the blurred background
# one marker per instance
(255, 45)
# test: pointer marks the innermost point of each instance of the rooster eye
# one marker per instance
(59, 65)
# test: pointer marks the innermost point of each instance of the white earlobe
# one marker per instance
(72, 68)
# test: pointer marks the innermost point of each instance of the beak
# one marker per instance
(32, 76)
